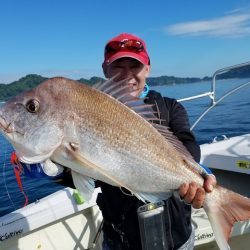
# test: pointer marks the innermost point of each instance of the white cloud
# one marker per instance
(230, 26)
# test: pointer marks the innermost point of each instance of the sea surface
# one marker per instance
(231, 117)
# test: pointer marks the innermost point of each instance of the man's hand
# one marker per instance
(195, 195)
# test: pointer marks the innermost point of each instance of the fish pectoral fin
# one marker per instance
(153, 197)
(91, 165)
(84, 184)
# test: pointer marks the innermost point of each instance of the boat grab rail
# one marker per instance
(212, 93)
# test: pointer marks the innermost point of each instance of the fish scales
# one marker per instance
(119, 128)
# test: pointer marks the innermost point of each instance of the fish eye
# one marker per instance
(32, 106)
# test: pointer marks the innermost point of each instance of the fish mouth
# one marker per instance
(5, 126)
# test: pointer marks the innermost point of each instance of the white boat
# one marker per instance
(231, 157)
(58, 222)
(54, 222)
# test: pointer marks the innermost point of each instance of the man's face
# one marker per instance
(131, 69)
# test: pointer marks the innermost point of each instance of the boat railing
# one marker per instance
(212, 94)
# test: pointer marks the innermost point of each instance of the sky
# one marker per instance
(67, 37)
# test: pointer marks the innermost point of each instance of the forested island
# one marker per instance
(32, 80)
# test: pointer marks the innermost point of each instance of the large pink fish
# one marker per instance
(104, 133)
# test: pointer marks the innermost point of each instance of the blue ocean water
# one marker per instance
(231, 117)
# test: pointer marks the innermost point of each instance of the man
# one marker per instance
(126, 57)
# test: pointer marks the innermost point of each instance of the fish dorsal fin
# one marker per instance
(121, 91)
(175, 142)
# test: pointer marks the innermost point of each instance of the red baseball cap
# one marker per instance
(126, 45)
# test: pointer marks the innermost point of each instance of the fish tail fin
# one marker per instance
(224, 208)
